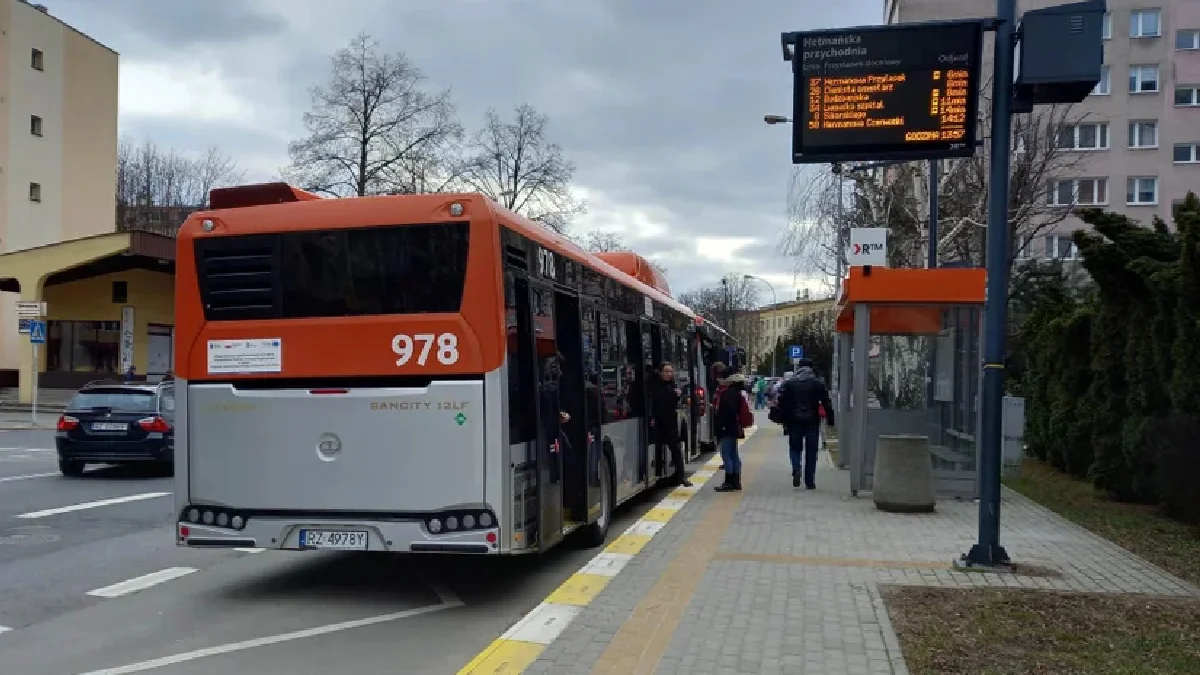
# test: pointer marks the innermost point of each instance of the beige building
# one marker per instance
(108, 294)
(1139, 131)
(771, 323)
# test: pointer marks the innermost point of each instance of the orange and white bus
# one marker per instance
(416, 373)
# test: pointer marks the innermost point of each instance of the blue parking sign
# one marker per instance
(37, 332)
(795, 352)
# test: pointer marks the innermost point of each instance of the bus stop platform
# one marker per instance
(774, 580)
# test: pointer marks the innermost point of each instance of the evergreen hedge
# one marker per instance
(1112, 380)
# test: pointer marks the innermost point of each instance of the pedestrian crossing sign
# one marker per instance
(37, 332)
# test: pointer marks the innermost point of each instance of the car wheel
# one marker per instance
(71, 467)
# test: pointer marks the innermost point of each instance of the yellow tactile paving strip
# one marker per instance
(639, 645)
(521, 645)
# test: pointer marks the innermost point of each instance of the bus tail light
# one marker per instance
(154, 424)
(67, 423)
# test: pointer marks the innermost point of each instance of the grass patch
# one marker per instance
(1170, 544)
(993, 631)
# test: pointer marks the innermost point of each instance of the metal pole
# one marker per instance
(838, 270)
(33, 416)
(933, 213)
(988, 551)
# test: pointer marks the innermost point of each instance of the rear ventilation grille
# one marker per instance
(516, 257)
(238, 282)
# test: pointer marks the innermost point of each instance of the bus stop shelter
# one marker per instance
(909, 364)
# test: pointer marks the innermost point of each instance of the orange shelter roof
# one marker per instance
(908, 300)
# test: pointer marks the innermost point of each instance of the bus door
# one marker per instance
(636, 369)
(570, 331)
(549, 376)
(593, 405)
(652, 356)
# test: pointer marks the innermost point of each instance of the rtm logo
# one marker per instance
(867, 249)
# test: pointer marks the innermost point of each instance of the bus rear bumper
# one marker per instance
(286, 533)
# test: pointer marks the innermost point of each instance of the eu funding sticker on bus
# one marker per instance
(795, 352)
(235, 357)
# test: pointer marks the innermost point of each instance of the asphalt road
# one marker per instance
(91, 583)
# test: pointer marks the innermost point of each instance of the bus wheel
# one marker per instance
(596, 533)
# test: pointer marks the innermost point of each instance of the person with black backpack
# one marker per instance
(801, 400)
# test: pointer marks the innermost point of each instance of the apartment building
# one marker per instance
(767, 325)
(1138, 134)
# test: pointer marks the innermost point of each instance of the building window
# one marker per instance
(1187, 39)
(120, 292)
(1143, 79)
(1023, 246)
(1145, 23)
(35, 192)
(1106, 27)
(37, 60)
(35, 125)
(1104, 86)
(1084, 136)
(1061, 247)
(83, 346)
(1081, 191)
(1187, 96)
(1142, 191)
(1143, 134)
(1186, 153)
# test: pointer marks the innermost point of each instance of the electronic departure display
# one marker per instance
(886, 92)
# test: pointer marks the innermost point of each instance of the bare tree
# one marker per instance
(157, 188)
(598, 241)
(373, 128)
(516, 164)
(730, 304)
(897, 198)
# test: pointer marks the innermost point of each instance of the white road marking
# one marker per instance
(28, 450)
(250, 550)
(28, 476)
(141, 583)
(4, 629)
(449, 601)
(96, 504)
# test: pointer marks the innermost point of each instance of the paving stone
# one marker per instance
(793, 589)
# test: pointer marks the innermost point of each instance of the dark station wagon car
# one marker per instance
(110, 422)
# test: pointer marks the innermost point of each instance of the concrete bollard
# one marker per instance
(903, 475)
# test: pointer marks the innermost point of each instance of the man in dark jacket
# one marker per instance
(664, 409)
(800, 400)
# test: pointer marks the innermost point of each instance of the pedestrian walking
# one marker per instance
(801, 400)
(732, 418)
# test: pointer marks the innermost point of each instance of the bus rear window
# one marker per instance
(401, 269)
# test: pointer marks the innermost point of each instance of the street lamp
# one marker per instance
(774, 301)
(775, 119)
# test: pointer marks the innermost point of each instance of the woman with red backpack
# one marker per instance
(733, 416)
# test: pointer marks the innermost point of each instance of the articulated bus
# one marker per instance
(415, 373)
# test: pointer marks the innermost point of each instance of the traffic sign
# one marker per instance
(795, 352)
(37, 332)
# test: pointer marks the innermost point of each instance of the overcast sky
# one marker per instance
(658, 102)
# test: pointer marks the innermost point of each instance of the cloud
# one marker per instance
(659, 104)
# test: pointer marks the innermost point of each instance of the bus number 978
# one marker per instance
(444, 347)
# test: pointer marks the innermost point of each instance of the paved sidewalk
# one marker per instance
(14, 420)
(779, 580)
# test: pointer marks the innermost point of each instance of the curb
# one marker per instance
(524, 641)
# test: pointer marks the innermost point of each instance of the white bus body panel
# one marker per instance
(385, 457)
